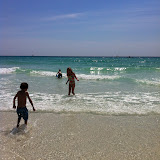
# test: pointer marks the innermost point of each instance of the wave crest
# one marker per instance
(8, 70)
(154, 82)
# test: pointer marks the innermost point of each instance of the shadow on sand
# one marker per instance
(20, 130)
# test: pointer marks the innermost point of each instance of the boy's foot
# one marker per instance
(17, 125)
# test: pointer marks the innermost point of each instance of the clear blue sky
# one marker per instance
(80, 27)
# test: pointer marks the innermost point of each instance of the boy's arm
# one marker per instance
(30, 101)
(14, 99)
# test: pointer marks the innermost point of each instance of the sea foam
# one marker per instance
(8, 70)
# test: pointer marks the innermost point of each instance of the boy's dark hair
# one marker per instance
(24, 86)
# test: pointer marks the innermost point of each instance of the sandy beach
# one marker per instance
(80, 136)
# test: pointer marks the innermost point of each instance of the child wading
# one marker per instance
(71, 76)
(22, 111)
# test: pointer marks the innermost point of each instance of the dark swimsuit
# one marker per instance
(22, 112)
(60, 75)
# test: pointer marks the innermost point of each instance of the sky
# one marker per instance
(80, 27)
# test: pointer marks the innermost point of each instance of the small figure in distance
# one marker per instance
(22, 96)
(59, 74)
(71, 79)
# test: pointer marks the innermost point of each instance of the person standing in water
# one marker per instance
(71, 79)
(22, 110)
(59, 74)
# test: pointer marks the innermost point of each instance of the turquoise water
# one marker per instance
(108, 85)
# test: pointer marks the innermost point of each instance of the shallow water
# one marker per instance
(115, 86)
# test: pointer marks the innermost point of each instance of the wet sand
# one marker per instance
(51, 136)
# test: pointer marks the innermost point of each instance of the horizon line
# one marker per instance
(80, 56)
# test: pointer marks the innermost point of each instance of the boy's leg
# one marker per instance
(19, 116)
(19, 119)
(25, 115)
(25, 122)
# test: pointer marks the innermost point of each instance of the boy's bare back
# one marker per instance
(22, 110)
(22, 96)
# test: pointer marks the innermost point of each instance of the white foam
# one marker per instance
(102, 102)
(96, 77)
(45, 73)
(8, 70)
(119, 69)
(107, 103)
(115, 103)
(96, 68)
(108, 69)
(155, 82)
(79, 76)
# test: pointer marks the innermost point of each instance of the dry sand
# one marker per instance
(51, 136)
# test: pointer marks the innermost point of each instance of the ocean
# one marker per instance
(107, 85)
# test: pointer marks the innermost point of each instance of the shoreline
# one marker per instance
(81, 136)
(94, 113)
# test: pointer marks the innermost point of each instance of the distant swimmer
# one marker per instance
(59, 74)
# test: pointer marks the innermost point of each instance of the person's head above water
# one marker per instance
(69, 71)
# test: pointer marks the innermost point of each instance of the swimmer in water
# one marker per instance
(59, 74)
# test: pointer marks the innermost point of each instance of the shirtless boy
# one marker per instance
(22, 111)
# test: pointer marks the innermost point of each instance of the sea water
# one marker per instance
(107, 85)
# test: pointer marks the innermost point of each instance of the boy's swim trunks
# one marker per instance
(22, 112)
